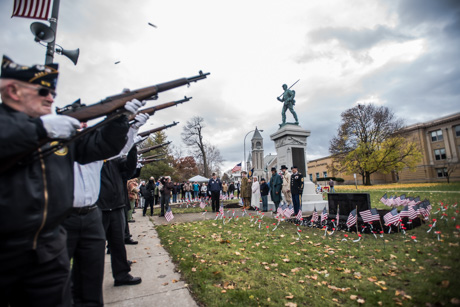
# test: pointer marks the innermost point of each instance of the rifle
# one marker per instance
(152, 157)
(150, 160)
(289, 88)
(152, 110)
(148, 132)
(116, 102)
(144, 150)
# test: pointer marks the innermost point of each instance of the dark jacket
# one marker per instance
(264, 189)
(276, 184)
(167, 187)
(214, 185)
(150, 188)
(114, 175)
(296, 184)
(231, 188)
(37, 193)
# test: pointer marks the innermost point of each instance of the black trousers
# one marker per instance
(86, 245)
(296, 203)
(148, 203)
(164, 203)
(215, 196)
(114, 227)
(26, 282)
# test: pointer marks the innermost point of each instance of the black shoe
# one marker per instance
(130, 241)
(130, 262)
(131, 221)
(128, 281)
(143, 214)
(108, 251)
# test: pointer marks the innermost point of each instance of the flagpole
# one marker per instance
(53, 25)
(357, 230)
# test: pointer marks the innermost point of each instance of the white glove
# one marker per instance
(140, 120)
(139, 165)
(60, 126)
(134, 105)
(138, 139)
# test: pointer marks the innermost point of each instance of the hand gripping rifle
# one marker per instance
(144, 150)
(117, 102)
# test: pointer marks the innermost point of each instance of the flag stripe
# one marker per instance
(35, 9)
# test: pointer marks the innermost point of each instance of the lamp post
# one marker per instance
(244, 148)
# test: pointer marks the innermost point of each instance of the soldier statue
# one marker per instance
(289, 102)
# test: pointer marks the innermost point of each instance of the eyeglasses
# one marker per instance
(42, 91)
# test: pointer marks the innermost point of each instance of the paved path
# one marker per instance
(161, 285)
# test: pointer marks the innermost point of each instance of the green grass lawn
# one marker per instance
(240, 264)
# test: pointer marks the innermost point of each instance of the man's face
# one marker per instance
(31, 102)
(294, 170)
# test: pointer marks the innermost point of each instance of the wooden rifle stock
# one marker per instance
(144, 150)
(115, 102)
(148, 132)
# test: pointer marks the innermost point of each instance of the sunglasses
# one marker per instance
(42, 91)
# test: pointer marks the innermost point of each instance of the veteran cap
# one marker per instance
(44, 75)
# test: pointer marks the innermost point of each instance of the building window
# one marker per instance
(436, 135)
(457, 131)
(440, 154)
(324, 174)
(311, 177)
(317, 175)
(442, 172)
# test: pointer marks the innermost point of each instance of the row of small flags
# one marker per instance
(402, 200)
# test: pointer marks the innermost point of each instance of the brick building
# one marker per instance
(439, 142)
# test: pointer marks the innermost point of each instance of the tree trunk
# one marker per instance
(368, 178)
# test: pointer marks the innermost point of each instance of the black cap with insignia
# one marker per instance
(44, 75)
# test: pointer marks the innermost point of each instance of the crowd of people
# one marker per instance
(74, 197)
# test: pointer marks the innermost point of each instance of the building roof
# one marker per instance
(257, 135)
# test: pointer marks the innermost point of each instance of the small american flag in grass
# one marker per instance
(169, 215)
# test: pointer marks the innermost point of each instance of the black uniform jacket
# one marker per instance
(296, 183)
(113, 181)
(36, 194)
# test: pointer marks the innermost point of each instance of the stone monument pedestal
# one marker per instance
(291, 148)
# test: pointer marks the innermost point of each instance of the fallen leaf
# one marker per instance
(289, 297)
(174, 281)
(193, 269)
(290, 304)
(361, 301)
(353, 297)
(445, 283)
(166, 283)
(286, 260)
(372, 279)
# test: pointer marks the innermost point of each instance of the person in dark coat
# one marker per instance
(166, 187)
(214, 188)
(35, 263)
(231, 190)
(149, 197)
(276, 183)
(264, 189)
(296, 189)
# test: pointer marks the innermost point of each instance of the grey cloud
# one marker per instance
(358, 39)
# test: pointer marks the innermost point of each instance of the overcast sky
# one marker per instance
(400, 54)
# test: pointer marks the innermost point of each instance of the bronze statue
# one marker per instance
(289, 102)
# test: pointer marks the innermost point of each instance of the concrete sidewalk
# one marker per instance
(161, 285)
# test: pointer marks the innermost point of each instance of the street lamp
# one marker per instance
(244, 147)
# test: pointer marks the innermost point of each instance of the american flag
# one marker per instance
(337, 217)
(351, 218)
(391, 217)
(405, 212)
(35, 9)
(314, 217)
(288, 211)
(402, 200)
(202, 204)
(299, 214)
(413, 212)
(324, 215)
(281, 209)
(370, 215)
(424, 208)
(169, 215)
(384, 199)
(237, 168)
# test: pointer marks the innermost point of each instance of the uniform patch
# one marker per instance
(61, 152)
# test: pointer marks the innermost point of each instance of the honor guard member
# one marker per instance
(214, 188)
(286, 185)
(37, 191)
(296, 189)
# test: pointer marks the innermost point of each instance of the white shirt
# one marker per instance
(87, 183)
